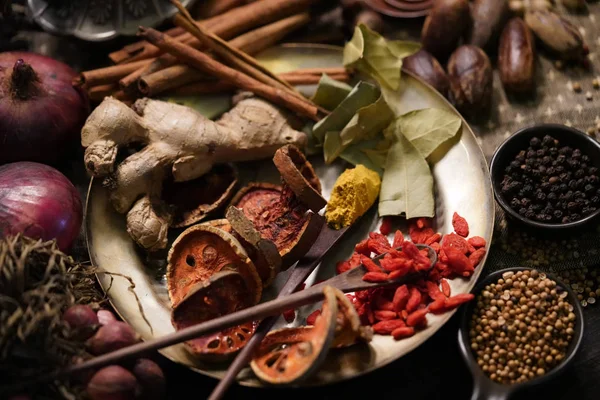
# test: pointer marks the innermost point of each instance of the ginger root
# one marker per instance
(179, 141)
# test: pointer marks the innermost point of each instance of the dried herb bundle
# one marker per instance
(37, 284)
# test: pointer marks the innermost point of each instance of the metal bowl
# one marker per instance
(100, 20)
(519, 141)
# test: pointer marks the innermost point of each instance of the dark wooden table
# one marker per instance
(433, 371)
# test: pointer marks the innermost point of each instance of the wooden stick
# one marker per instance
(212, 67)
(251, 42)
(110, 74)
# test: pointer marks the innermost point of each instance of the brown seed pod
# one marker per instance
(300, 176)
(194, 200)
(263, 252)
(223, 293)
(516, 57)
(488, 16)
(444, 26)
(557, 34)
(255, 197)
(470, 74)
(200, 252)
(426, 67)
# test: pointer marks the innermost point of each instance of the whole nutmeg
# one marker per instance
(556, 33)
(425, 66)
(470, 74)
(444, 26)
(488, 16)
(516, 57)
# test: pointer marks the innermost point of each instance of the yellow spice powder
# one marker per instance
(353, 194)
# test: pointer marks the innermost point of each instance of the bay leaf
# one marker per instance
(362, 95)
(359, 154)
(312, 146)
(404, 48)
(367, 122)
(407, 184)
(370, 53)
(332, 146)
(330, 93)
(426, 129)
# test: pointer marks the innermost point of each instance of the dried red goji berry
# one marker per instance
(393, 264)
(383, 304)
(382, 315)
(456, 300)
(386, 327)
(402, 333)
(476, 257)
(412, 251)
(414, 300)
(434, 275)
(377, 247)
(460, 225)
(471, 249)
(438, 306)
(398, 239)
(442, 256)
(311, 319)
(289, 315)
(369, 264)
(458, 262)
(370, 316)
(455, 241)
(420, 235)
(380, 238)
(477, 242)
(386, 226)
(375, 277)
(433, 291)
(403, 314)
(401, 296)
(433, 239)
(423, 222)
(435, 246)
(417, 318)
(399, 273)
(363, 248)
(445, 288)
(347, 265)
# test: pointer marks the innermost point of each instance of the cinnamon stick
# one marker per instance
(310, 79)
(251, 43)
(130, 50)
(210, 8)
(97, 93)
(201, 61)
(107, 75)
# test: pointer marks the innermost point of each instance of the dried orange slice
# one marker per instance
(299, 174)
(290, 355)
(200, 252)
(223, 293)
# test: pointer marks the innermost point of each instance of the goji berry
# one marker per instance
(377, 247)
(477, 242)
(386, 327)
(289, 315)
(435, 246)
(375, 277)
(476, 257)
(456, 300)
(398, 239)
(442, 256)
(383, 304)
(458, 262)
(393, 264)
(402, 333)
(412, 251)
(382, 315)
(460, 225)
(414, 300)
(401, 296)
(380, 238)
(399, 273)
(471, 249)
(438, 306)
(433, 239)
(369, 264)
(403, 314)
(445, 288)
(347, 265)
(363, 248)
(420, 235)
(434, 275)
(312, 318)
(417, 318)
(386, 226)
(423, 222)
(455, 241)
(433, 291)
(370, 316)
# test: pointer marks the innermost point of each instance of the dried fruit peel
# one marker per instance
(354, 192)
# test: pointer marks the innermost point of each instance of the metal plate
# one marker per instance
(462, 184)
(99, 20)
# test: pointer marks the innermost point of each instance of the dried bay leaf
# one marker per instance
(332, 146)
(330, 93)
(426, 129)
(404, 48)
(407, 184)
(362, 95)
(357, 154)
(367, 122)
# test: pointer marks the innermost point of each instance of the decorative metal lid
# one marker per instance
(99, 20)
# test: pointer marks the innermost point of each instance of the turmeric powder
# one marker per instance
(353, 194)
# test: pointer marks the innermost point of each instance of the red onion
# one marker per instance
(40, 202)
(106, 317)
(41, 113)
(151, 379)
(112, 337)
(113, 383)
(82, 321)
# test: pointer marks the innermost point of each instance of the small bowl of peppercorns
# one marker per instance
(547, 176)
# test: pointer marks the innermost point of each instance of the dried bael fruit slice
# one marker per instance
(223, 293)
(290, 355)
(192, 201)
(255, 197)
(222, 224)
(348, 329)
(299, 174)
(263, 252)
(201, 251)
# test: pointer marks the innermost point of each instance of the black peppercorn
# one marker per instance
(522, 211)
(552, 197)
(548, 141)
(540, 196)
(557, 214)
(535, 142)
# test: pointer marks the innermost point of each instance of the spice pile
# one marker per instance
(400, 311)
(585, 283)
(521, 327)
(551, 183)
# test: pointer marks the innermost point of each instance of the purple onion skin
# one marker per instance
(39, 202)
(45, 124)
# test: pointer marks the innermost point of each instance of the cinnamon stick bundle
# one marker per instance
(110, 74)
(210, 8)
(203, 62)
